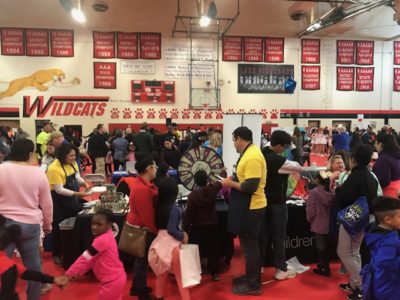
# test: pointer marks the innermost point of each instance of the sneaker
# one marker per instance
(346, 287)
(215, 277)
(322, 271)
(134, 292)
(244, 289)
(282, 275)
(239, 280)
(356, 295)
(47, 287)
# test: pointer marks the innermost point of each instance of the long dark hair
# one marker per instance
(63, 151)
(8, 234)
(167, 192)
(389, 142)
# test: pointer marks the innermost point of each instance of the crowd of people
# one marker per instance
(256, 193)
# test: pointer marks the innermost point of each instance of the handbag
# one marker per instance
(355, 217)
(189, 259)
(133, 240)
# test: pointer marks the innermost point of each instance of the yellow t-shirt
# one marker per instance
(42, 139)
(56, 175)
(253, 165)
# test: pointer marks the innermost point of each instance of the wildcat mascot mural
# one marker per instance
(40, 80)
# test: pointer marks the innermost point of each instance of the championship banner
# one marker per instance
(310, 77)
(253, 49)
(365, 52)
(62, 43)
(365, 79)
(396, 52)
(274, 50)
(127, 45)
(345, 52)
(310, 51)
(232, 48)
(105, 75)
(150, 45)
(37, 42)
(12, 41)
(345, 78)
(103, 44)
(396, 79)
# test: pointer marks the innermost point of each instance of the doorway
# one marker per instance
(314, 123)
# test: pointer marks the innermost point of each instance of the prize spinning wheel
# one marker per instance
(196, 159)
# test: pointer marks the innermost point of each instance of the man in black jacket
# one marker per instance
(143, 141)
(98, 148)
(276, 213)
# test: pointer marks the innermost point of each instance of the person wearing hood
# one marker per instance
(381, 280)
(319, 204)
(200, 220)
(387, 166)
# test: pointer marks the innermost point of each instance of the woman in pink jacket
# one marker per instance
(102, 257)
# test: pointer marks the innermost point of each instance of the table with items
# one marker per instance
(117, 175)
(79, 237)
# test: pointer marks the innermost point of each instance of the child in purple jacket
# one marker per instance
(319, 204)
(102, 257)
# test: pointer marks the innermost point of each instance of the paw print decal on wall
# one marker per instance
(151, 113)
(274, 114)
(219, 115)
(186, 114)
(174, 113)
(252, 111)
(264, 113)
(162, 113)
(230, 111)
(127, 113)
(197, 115)
(242, 111)
(139, 113)
(208, 115)
(114, 113)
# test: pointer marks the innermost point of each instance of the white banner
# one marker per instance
(138, 67)
(182, 53)
(181, 70)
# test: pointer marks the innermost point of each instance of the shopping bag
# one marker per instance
(355, 217)
(189, 259)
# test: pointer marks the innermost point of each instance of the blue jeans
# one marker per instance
(250, 246)
(28, 246)
(273, 233)
(141, 266)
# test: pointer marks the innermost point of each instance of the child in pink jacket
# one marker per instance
(318, 208)
(102, 257)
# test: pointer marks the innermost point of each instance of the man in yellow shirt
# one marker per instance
(42, 138)
(247, 208)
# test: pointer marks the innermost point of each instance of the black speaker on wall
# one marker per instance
(168, 121)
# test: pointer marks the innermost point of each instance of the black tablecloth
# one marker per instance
(75, 241)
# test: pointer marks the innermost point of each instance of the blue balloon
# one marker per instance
(290, 85)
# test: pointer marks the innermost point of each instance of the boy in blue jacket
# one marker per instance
(381, 278)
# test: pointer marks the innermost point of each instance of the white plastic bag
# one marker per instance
(189, 259)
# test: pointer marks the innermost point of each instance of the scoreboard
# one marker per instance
(152, 91)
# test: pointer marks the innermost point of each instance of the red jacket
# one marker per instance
(142, 202)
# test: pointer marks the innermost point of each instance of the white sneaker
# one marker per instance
(281, 275)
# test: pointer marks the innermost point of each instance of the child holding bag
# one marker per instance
(319, 204)
(164, 251)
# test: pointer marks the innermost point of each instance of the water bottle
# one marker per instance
(120, 168)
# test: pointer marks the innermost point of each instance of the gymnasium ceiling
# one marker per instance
(257, 17)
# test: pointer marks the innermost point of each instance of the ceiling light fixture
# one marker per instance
(204, 21)
(77, 13)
